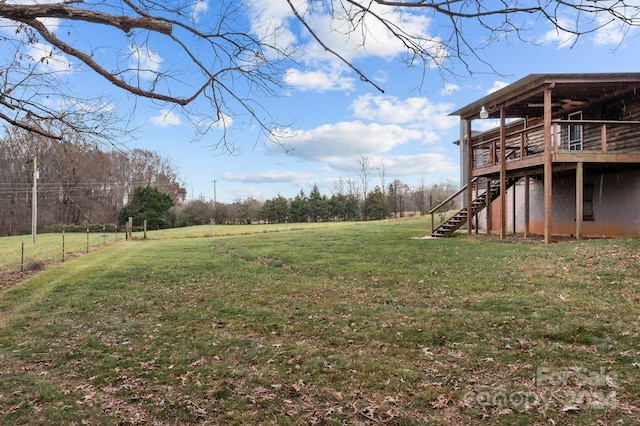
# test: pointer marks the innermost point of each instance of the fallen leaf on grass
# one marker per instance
(568, 408)
(198, 363)
(442, 401)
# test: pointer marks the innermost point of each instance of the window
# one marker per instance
(575, 132)
(587, 202)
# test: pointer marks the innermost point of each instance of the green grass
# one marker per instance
(352, 323)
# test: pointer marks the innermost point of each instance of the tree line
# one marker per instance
(79, 183)
(397, 200)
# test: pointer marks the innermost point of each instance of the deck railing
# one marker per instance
(602, 136)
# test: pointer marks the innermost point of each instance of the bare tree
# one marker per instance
(364, 172)
(421, 198)
(223, 61)
(78, 182)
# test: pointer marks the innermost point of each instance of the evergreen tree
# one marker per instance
(148, 204)
(318, 205)
(299, 210)
(378, 205)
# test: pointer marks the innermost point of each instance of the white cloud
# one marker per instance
(371, 38)
(165, 118)
(556, 35)
(497, 85)
(224, 121)
(51, 62)
(269, 22)
(449, 89)
(335, 142)
(419, 164)
(270, 176)
(275, 22)
(145, 62)
(417, 112)
(199, 8)
(320, 81)
(50, 23)
(609, 33)
(384, 123)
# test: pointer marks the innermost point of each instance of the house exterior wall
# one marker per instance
(616, 206)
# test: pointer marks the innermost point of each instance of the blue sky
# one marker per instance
(331, 118)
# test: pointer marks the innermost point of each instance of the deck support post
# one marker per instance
(548, 166)
(526, 205)
(488, 207)
(579, 199)
(514, 228)
(467, 132)
(503, 174)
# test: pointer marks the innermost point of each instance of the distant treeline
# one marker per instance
(82, 186)
(397, 200)
(79, 184)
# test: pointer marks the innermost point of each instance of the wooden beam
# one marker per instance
(488, 208)
(595, 157)
(469, 174)
(548, 167)
(503, 175)
(579, 199)
(603, 138)
(476, 185)
(526, 205)
(513, 210)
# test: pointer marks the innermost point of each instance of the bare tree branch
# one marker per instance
(225, 62)
(27, 13)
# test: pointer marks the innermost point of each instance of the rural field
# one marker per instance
(342, 323)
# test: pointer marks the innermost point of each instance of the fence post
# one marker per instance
(87, 240)
(63, 246)
(22, 258)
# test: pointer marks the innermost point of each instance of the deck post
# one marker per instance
(477, 193)
(603, 138)
(488, 207)
(526, 205)
(579, 199)
(548, 166)
(503, 174)
(514, 228)
(469, 174)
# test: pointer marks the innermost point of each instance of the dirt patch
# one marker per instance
(10, 278)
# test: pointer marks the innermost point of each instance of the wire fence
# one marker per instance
(23, 255)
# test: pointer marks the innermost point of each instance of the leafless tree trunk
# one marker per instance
(364, 173)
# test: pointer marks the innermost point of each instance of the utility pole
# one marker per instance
(34, 200)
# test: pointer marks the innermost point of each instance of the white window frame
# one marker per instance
(574, 134)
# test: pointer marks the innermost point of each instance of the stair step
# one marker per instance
(447, 228)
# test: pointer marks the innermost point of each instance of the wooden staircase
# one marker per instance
(451, 225)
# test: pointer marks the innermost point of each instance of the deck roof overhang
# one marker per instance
(525, 97)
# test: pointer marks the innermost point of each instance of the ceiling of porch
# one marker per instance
(525, 98)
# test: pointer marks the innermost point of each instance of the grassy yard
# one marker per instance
(352, 323)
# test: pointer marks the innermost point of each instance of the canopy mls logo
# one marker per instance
(574, 389)
(576, 377)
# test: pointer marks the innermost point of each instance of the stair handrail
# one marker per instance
(451, 197)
